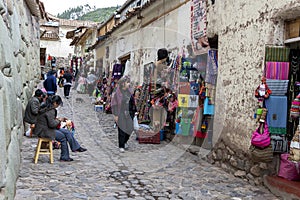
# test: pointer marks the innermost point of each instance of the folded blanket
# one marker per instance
(277, 131)
(278, 87)
(277, 111)
(277, 70)
(277, 54)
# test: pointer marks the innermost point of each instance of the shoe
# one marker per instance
(66, 160)
(81, 149)
(122, 150)
(126, 146)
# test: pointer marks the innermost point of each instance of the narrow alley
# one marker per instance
(144, 171)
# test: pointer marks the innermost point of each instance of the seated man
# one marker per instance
(31, 111)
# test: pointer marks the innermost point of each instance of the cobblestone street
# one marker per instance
(144, 171)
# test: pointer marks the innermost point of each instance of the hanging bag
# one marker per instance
(261, 155)
(261, 138)
(136, 125)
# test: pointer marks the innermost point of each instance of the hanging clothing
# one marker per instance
(127, 68)
(117, 71)
(212, 67)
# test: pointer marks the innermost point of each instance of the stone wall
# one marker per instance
(19, 74)
(243, 29)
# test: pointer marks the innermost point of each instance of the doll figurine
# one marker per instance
(262, 91)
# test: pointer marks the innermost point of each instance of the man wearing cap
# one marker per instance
(32, 109)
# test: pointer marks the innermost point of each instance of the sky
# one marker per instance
(58, 6)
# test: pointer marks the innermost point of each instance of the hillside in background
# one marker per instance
(88, 13)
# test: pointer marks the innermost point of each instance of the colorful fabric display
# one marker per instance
(277, 54)
(209, 109)
(278, 87)
(185, 126)
(277, 70)
(194, 90)
(193, 101)
(184, 87)
(295, 107)
(183, 100)
(212, 67)
(277, 111)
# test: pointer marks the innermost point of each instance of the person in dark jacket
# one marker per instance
(32, 110)
(50, 83)
(47, 126)
(67, 77)
(120, 110)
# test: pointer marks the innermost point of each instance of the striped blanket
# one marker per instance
(278, 87)
(278, 54)
(277, 70)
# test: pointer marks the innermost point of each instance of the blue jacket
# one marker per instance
(50, 84)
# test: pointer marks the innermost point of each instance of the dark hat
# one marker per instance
(162, 53)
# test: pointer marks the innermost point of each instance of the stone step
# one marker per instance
(282, 187)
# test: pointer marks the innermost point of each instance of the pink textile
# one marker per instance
(277, 70)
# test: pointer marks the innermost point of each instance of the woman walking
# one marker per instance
(120, 110)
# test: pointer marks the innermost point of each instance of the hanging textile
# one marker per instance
(278, 87)
(198, 27)
(212, 67)
(117, 71)
(277, 70)
(278, 54)
(277, 111)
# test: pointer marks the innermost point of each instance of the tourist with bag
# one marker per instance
(120, 110)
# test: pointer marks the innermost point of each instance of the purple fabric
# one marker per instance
(116, 102)
(117, 71)
(277, 70)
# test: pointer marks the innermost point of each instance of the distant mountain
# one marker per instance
(88, 13)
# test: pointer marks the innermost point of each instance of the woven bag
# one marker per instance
(261, 155)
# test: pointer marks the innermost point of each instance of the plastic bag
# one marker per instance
(136, 125)
(289, 169)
